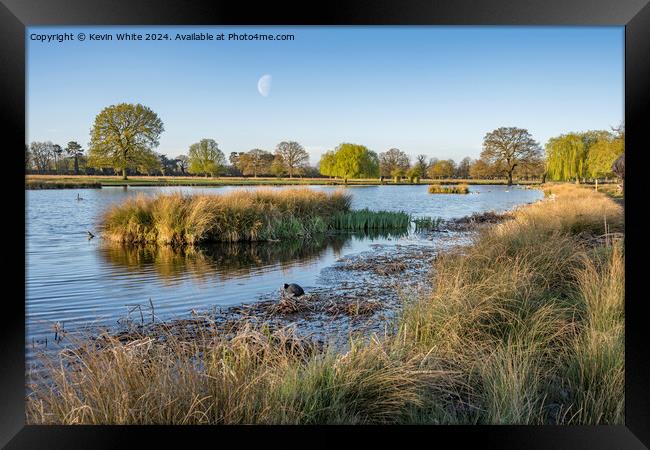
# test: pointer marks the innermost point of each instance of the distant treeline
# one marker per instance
(508, 153)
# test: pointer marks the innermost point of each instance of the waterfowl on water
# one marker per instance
(293, 289)
(90, 235)
(78, 197)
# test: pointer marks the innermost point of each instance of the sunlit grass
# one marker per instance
(252, 215)
(448, 189)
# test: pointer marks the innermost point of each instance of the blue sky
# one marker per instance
(431, 90)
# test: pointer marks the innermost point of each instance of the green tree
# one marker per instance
(74, 150)
(509, 146)
(566, 157)
(292, 155)
(123, 137)
(278, 167)
(150, 164)
(443, 169)
(393, 162)
(255, 162)
(57, 151)
(205, 158)
(327, 163)
(602, 154)
(355, 161)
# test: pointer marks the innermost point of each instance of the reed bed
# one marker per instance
(448, 189)
(366, 220)
(255, 215)
(523, 327)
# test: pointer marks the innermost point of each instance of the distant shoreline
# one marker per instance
(97, 182)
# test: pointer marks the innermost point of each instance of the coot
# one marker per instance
(293, 289)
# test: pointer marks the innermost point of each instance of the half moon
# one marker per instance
(264, 85)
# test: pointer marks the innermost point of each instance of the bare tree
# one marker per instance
(510, 146)
(421, 165)
(394, 163)
(41, 155)
(292, 155)
(462, 170)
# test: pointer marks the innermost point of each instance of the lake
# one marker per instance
(82, 282)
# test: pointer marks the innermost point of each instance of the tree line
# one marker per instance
(124, 136)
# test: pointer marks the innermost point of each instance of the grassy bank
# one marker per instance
(62, 184)
(525, 326)
(255, 215)
(80, 181)
(448, 189)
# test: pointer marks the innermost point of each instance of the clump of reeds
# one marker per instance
(252, 215)
(365, 219)
(448, 189)
(423, 224)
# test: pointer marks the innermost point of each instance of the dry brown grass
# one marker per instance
(254, 378)
(511, 312)
(246, 215)
(449, 189)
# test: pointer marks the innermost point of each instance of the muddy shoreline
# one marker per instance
(359, 296)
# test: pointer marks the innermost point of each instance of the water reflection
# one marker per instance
(225, 261)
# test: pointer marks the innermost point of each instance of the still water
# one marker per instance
(79, 282)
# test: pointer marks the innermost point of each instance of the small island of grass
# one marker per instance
(443, 189)
(243, 215)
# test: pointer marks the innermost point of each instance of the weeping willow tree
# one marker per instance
(602, 156)
(327, 163)
(566, 157)
(350, 161)
(576, 156)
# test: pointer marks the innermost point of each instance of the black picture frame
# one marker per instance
(15, 15)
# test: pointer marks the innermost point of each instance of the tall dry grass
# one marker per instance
(257, 377)
(536, 303)
(254, 215)
(449, 189)
(523, 327)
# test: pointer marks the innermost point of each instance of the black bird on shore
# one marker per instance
(293, 289)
